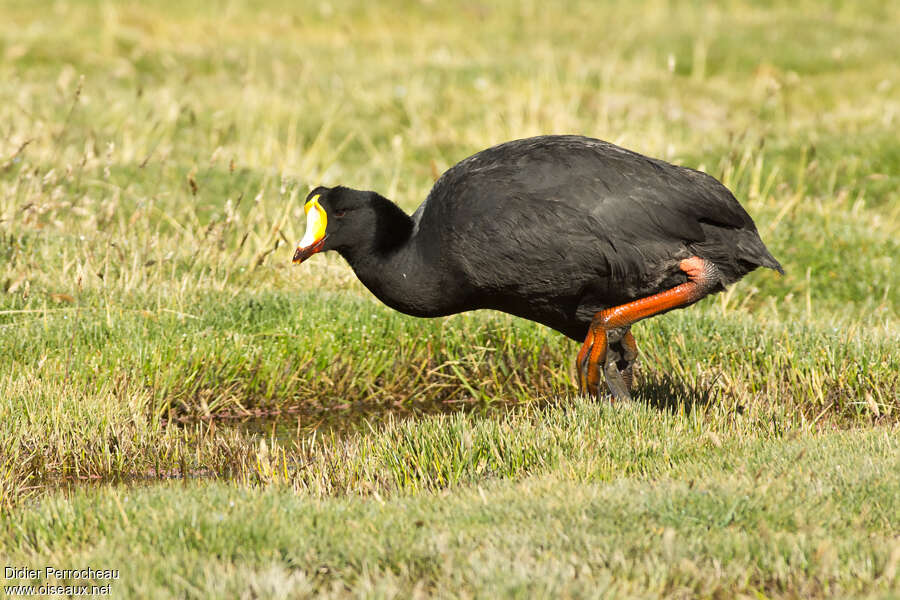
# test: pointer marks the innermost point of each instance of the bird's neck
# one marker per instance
(397, 265)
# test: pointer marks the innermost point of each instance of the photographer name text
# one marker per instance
(55, 573)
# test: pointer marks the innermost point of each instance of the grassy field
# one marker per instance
(179, 402)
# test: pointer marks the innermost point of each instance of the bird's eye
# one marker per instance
(340, 213)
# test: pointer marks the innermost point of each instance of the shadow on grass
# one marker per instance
(666, 392)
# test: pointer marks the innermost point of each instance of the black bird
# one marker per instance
(575, 233)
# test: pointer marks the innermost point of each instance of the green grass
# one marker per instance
(153, 161)
(569, 501)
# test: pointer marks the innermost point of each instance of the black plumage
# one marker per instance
(554, 229)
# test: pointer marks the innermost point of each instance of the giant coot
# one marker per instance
(575, 233)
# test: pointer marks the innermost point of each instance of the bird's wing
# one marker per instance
(631, 197)
(590, 201)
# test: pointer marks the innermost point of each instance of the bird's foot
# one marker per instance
(612, 352)
(615, 368)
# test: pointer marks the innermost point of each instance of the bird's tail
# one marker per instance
(770, 262)
(736, 253)
(755, 253)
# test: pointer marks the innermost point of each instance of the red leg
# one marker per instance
(596, 356)
(702, 275)
(581, 361)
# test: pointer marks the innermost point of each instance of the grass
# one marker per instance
(153, 162)
(570, 501)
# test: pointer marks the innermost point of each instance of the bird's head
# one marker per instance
(336, 218)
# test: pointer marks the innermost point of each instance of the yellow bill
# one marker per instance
(314, 238)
